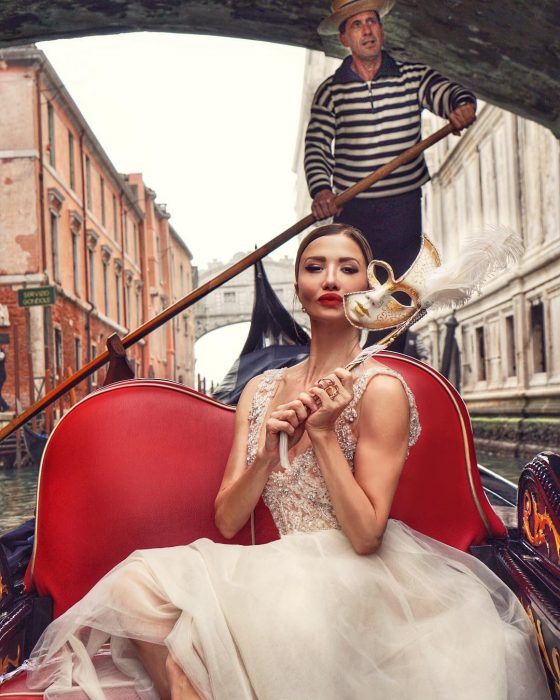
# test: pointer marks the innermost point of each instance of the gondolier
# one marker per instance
(371, 110)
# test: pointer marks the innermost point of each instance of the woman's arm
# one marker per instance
(241, 488)
(362, 501)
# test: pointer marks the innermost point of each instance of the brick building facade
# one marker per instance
(69, 220)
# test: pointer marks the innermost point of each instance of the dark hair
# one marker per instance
(342, 25)
(334, 230)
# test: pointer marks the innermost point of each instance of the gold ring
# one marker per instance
(331, 391)
(329, 387)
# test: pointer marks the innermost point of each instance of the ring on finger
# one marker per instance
(331, 391)
(325, 382)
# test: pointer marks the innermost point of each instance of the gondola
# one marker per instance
(35, 443)
(515, 532)
(99, 496)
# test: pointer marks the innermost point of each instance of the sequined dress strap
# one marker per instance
(263, 394)
(360, 385)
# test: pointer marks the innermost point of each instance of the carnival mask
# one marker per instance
(378, 308)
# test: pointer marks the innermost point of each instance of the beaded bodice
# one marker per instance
(298, 497)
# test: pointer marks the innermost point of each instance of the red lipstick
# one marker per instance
(330, 299)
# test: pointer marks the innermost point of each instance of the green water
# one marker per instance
(508, 467)
(18, 488)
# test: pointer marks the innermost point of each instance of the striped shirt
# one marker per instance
(373, 122)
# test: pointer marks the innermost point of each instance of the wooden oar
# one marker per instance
(225, 276)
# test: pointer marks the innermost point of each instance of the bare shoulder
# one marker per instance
(248, 394)
(385, 387)
(384, 392)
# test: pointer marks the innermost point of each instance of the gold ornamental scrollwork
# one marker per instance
(6, 662)
(552, 660)
(542, 526)
(3, 588)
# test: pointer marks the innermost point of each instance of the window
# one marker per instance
(511, 360)
(115, 216)
(106, 286)
(138, 307)
(229, 297)
(481, 354)
(118, 296)
(88, 183)
(91, 274)
(51, 144)
(55, 247)
(158, 253)
(77, 352)
(76, 261)
(125, 226)
(538, 337)
(182, 278)
(128, 303)
(102, 195)
(71, 165)
(93, 354)
(135, 234)
(58, 353)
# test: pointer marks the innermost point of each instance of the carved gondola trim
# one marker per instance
(509, 563)
(3, 588)
(552, 661)
(541, 521)
(159, 384)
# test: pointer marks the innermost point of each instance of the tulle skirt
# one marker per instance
(304, 617)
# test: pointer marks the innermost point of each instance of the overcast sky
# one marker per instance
(211, 122)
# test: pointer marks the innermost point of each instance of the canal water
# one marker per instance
(18, 488)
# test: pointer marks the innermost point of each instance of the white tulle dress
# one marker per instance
(302, 618)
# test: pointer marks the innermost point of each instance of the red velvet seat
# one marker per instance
(138, 463)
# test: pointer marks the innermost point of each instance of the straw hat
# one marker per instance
(343, 9)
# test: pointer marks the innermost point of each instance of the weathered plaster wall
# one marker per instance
(507, 51)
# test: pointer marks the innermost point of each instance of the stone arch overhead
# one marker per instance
(506, 51)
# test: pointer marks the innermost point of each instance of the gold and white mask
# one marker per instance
(377, 308)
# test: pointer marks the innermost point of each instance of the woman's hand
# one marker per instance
(330, 395)
(289, 418)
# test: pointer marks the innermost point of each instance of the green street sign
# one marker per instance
(38, 296)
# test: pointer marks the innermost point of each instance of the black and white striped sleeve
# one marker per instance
(440, 95)
(319, 160)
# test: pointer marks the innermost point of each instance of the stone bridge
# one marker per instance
(233, 301)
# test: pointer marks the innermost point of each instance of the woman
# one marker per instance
(347, 604)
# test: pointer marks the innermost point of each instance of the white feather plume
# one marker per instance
(481, 257)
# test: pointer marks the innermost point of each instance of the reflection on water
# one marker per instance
(17, 496)
(509, 467)
(19, 486)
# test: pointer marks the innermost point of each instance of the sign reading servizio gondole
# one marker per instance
(38, 296)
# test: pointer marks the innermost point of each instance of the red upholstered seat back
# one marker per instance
(138, 464)
(133, 466)
(439, 492)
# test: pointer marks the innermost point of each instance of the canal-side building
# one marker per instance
(503, 170)
(69, 221)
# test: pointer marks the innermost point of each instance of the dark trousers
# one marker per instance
(393, 228)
